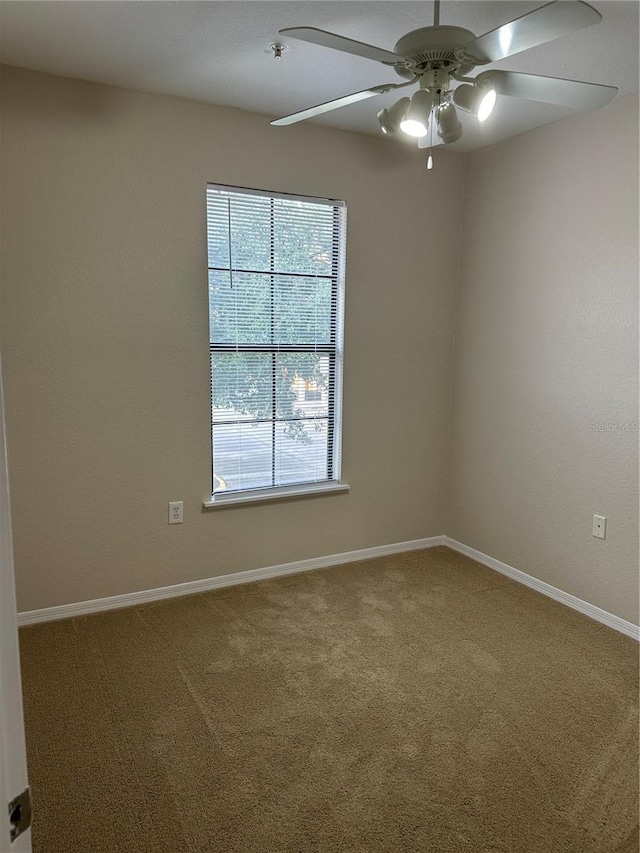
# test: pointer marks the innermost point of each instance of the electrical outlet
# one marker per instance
(600, 526)
(175, 512)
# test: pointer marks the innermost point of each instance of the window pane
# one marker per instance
(241, 386)
(242, 456)
(248, 245)
(250, 232)
(301, 452)
(303, 237)
(302, 385)
(217, 229)
(239, 308)
(302, 310)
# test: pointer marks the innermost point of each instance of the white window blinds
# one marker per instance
(276, 296)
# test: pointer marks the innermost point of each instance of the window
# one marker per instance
(276, 296)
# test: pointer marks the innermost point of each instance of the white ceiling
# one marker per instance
(218, 51)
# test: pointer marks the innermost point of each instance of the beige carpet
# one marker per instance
(417, 702)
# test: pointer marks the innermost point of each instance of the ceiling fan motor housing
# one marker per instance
(432, 45)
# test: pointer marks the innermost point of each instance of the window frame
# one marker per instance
(334, 350)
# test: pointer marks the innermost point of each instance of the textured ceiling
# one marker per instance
(219, 52)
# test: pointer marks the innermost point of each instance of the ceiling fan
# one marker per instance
(439, 58)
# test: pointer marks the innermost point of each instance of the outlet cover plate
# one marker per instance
(600, 526)
(175, 512)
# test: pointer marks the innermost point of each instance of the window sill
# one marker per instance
(307, 490)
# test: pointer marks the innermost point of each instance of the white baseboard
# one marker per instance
(591, 610)
(114, 602)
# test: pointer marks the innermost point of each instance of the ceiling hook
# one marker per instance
(278, 49)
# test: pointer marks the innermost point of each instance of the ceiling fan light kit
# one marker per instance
(449, 127)
(389, 118)
(440, 58)
(416, 119)
(477, 99)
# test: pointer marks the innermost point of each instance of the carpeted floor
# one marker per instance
(418, 702)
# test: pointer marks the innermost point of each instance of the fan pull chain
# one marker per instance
(430, 158)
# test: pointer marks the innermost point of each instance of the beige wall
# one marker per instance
(104, 336)
(546, 345)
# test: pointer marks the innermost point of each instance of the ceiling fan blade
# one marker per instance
(551, 90)
(358, 48)
(310, 112)
(542, 25)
